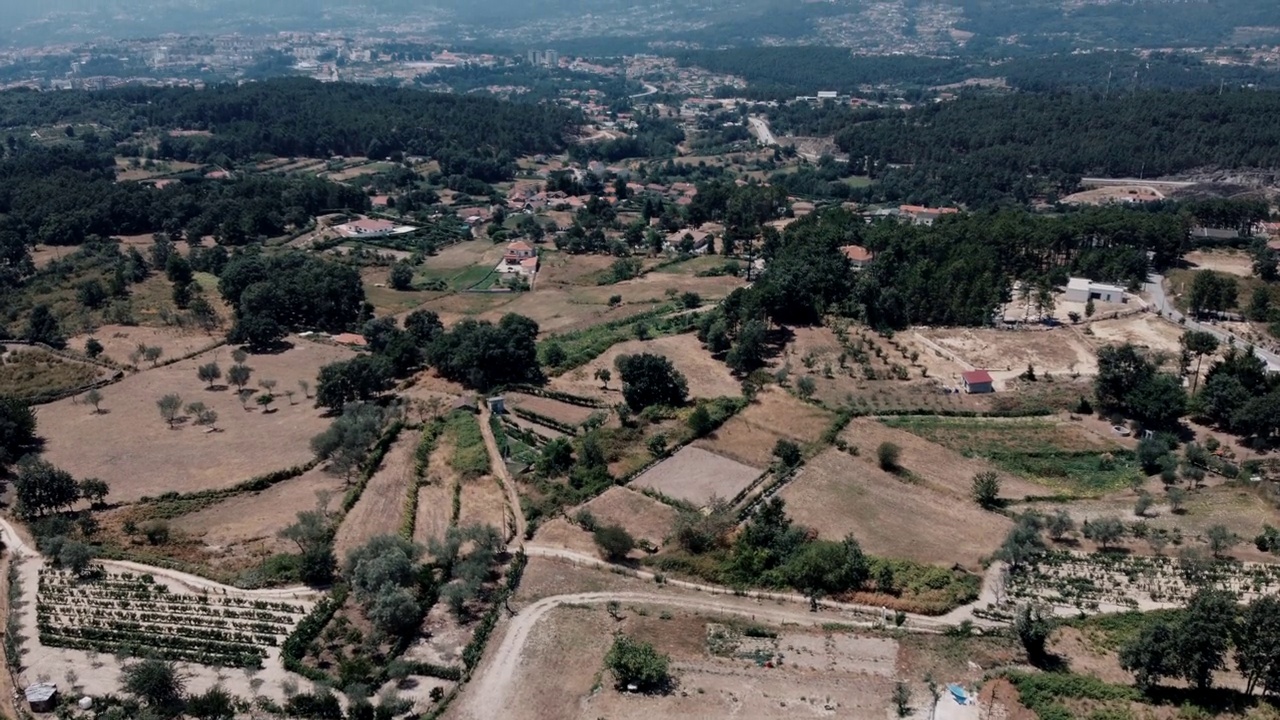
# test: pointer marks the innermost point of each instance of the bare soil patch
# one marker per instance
(1060, 351)
(381, 505)
(707, 377)
(1224, 261)
(642, 516)
(696, 475)
(133, 449)
(1145, 330)
(837, 495)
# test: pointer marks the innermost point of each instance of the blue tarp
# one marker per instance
(959, 694)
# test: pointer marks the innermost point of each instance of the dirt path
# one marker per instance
(8, 691)
(514, 515)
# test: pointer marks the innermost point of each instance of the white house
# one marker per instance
(1082, 290)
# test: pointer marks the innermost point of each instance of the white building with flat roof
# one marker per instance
(1082, 290)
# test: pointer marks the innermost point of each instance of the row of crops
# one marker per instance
(133, 615)
(1086, 582)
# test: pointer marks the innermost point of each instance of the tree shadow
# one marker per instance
(217, 388)
(102, 411)
(276, 348)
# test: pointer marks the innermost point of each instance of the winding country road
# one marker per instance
(487, 695)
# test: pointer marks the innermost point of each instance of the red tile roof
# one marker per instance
(976, 377)
(856, 253)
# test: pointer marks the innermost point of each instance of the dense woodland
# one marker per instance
(296, 117)
(781, 73)
(981, 150)
(63, 195)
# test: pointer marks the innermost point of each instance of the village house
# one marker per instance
(520, 258)
(920, 215)
(367, 228)
(859, 257)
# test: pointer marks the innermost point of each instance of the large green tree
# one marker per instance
(649, 380)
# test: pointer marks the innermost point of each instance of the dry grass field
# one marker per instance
(1061, 351)
(1231, 262)
(381, 505)
(241, 530)
(131, 447)
(696, 475)
(749, 436)
(642, 516)
(1145, 330)
(707, 377)
(483, 503)
(837, 495)
(120, 341)
(564, 412)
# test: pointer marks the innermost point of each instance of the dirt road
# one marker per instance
(488, 693)
(515, 514)
(488, 696)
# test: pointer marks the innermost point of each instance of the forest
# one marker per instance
(982, 150)
(63, 195)
(781, 73)
(292, 117)
(956, 272)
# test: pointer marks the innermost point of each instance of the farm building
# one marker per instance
(977, 382)
(43, 697)
(1082, 290)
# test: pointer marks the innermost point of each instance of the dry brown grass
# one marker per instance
(483, 503)
(381, 505)
(750, 436)
(706, 376)
(696, 475)
(838, 495)
(244, 528)
(564, 412)
(132, 448)
(642, 516)
(120, 341)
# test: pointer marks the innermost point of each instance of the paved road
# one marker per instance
(760, 127)
(1159, 301)
(648, 90)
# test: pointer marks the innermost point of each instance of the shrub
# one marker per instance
(889, 455)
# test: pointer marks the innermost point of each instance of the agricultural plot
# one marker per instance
(838, 495)
(749, 437)
(1060, 455)
(120, 341)
(30, 373)
(130, 614)
(696, 475)
(641, 515)
(185, 458)
(1105, 582)
(707, 377)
